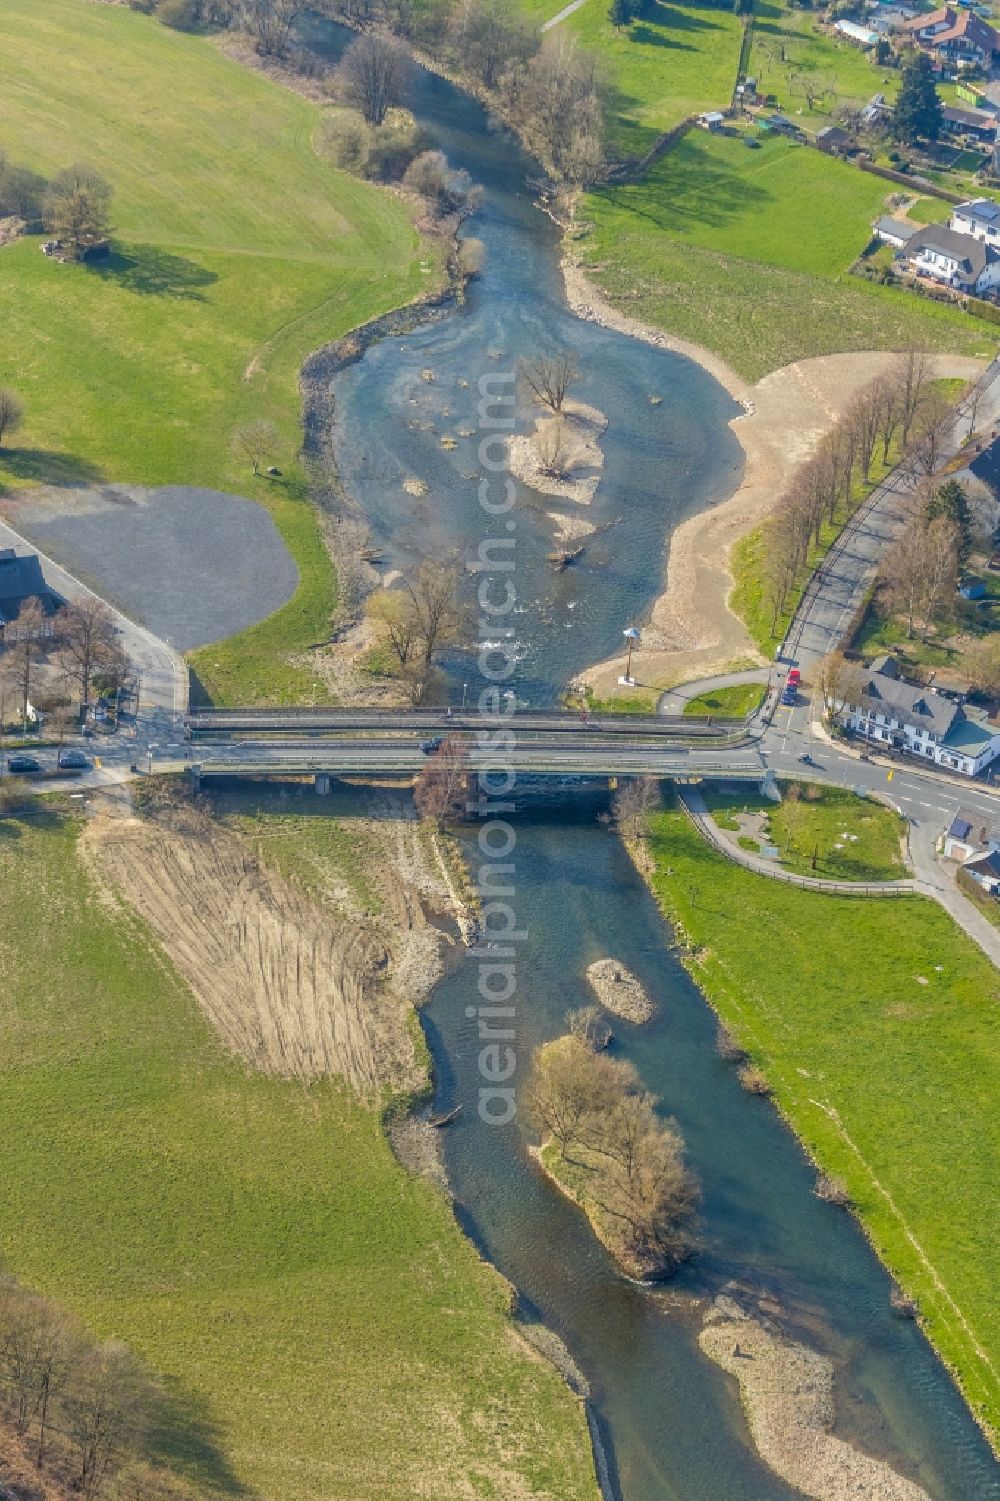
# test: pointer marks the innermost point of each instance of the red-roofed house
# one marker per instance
(955, 36)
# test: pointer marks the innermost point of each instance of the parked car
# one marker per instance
(74, 760)
(788, 694)
(23, 765)
(430, 746)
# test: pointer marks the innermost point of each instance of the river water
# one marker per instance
(669, 1419)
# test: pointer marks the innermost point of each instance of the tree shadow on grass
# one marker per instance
(48, 467)
(703, 192)
(647, 37)
(183, 1438)
(156, 273)
(659, 13)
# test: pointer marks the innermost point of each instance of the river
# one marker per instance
(669, 1419)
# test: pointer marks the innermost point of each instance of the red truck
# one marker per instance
(794, 677)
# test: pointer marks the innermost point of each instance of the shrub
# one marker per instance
(181, 15)
(832, 1191)
(727, 1047)
(988, 311)
(752, 1080)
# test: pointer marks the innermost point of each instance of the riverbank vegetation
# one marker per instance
(225, 272)
(253, 1239)
(607, 1148)
(902, 411)
(827, 832)
(713, 244)
(870, 1020)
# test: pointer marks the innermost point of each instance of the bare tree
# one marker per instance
(371, 76)
(982, 663)
(488, 37)
(28, 640)
(88, 640)
(914, 373)
(550, 447)
(973, 401)
(257, 442)
(940, 574)
(77, 207)
(107, 1407)
(432, 592)
(930, 431)
(557, 102)
(439, 791)
(633, 804)
(549, 378)
(902, 574)
(588, 1026)
(839, 682)
(11, 412)
(269, 23)
(393, 613)
(38, 1347)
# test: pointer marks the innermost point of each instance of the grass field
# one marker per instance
(734, 702)
(850, 838)
(748, 253)
(788, 46)
(237, 251)
(322, 1325)
(876, 1034)
(674, 60)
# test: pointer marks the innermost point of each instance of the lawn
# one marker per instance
(748, 253)
(237, 252)
(734, 702)
(323, 1326)
(876, 1033)
(827, 832)
(929, 211)
(674, 60)
(789, 48)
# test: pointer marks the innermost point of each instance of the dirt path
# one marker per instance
(692, 632)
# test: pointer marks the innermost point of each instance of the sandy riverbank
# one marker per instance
(788, 1396)
(691, 632)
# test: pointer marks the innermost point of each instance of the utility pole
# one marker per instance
(632, 636)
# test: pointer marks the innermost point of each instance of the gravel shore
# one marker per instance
(619, 991)
(787, 1394)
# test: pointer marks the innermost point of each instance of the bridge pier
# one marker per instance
(321, 782)
(195, 774)
(769, 787)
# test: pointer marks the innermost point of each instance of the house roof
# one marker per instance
(970, 119)
(985, 865)
(886, 666)
(909, 704)
(895, 227)
(972, 256)
(967, 735)
(980, 211)
(961, 827)
(956, 24)
(21, 578)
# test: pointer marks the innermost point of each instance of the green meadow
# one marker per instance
(323, 1328)
(237, 251)
(876, 1034)
(748, 253)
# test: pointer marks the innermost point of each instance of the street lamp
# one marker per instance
(632, 636)
(465, 689)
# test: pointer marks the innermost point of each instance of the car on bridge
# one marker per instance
(430, 746)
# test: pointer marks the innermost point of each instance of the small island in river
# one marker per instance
(619, 991)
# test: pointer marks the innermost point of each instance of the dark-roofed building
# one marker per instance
(985, 871)
(907, 717)
(834, 139)
(970, 122)
(21, 578)
(954, 36)
(956, 260)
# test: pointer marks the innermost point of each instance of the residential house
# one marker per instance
(21, 578)
(964, 262)
(834, 139)
(970, 122)
(894, 232)
(985, 871)
(955, 38)
(712, 119)
(903, 716)
(980, 218)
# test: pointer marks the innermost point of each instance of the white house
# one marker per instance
(959, 260)
(894, 232)
(905, 717)
(980, 218)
